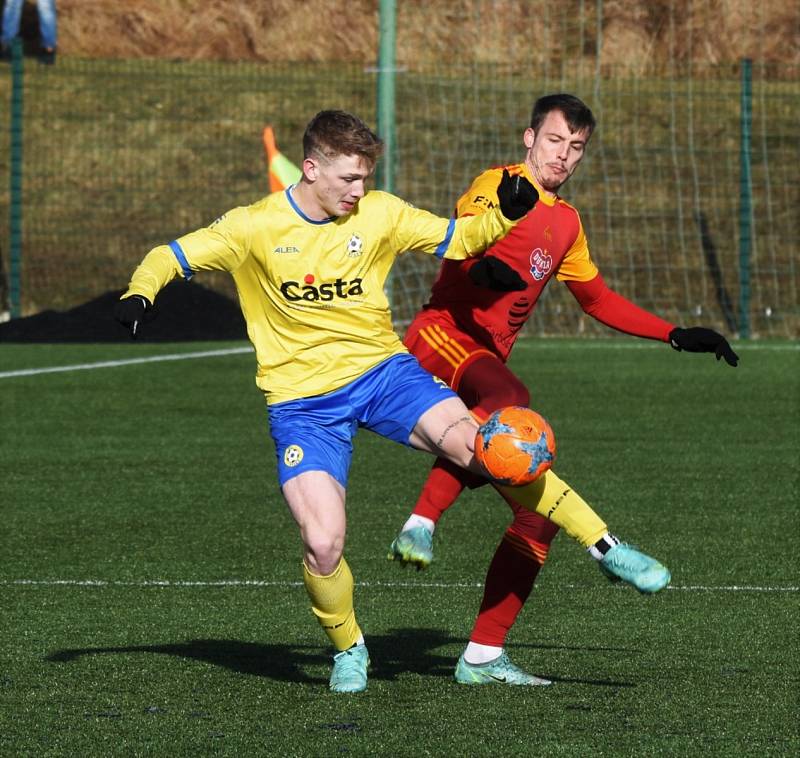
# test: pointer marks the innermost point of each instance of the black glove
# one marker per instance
(698, 339)
(494, 274)
(516, 195)
(132, 311)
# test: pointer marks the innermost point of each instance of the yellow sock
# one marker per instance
(553, 498)
(332, 602)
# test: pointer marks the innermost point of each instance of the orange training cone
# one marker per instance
(282, 172)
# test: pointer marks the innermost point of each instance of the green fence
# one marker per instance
(118, 156)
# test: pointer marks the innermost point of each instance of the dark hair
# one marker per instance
(576, 112)
(333, 133)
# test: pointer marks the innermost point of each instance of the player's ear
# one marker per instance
(310, 169)
(528, 136)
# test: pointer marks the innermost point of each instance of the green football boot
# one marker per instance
(625, 563)
(350, 670)
(414, 547)
(498, 671)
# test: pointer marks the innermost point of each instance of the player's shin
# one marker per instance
(332, 603)
(442, 488)
(554, 499)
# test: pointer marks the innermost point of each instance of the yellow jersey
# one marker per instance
(312, 291)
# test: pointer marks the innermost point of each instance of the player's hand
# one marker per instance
(516, 195)
(698, 339)
(494, 274)
(132, 311)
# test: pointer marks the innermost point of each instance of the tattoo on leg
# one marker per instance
(449, 428)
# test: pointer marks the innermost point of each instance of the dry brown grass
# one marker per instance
(313, 30)
(633, 33)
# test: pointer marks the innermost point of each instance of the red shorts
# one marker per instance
(441, 347)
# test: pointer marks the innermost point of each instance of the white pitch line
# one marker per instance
(286, 584)
(537, 344)
(125, 362)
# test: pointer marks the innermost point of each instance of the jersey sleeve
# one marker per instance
(221, 246)
(481, 195)
(577, 265)
(454, 239)
(602, 303)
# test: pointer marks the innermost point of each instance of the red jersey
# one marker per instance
(548, 242)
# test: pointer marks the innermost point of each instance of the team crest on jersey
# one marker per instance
(354, 246)
(541, 263)
(292, 455)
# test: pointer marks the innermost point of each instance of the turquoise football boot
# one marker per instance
(413, 546)
(626, 564)
(350, 670)
(498, 671)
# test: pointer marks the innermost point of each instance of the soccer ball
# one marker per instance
(515, 446)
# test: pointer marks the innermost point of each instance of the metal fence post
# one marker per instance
(745, 198)
(15, 182)
(384, 178)
(386, 92)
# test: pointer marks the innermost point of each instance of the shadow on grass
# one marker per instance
(401, 651)
(585, 649)
(281, 662)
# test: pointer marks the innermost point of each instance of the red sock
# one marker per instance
(512, 572)
(442, 488)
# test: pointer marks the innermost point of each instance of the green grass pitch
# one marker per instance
(150, 595)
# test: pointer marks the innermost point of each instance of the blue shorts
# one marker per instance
(316, 433)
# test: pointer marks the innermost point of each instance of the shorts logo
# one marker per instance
(441, 382)
(541, 263)
(292, 455)
(354, 246)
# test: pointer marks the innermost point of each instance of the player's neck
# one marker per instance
(305, 200)
(542, 191)
(537, 181)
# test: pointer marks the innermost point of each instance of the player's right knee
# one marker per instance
(323, 555)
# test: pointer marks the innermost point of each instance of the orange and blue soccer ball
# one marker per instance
(516, 446)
